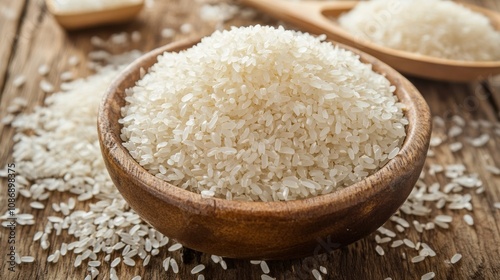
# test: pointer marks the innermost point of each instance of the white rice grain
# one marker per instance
(128, 261)
(19, 81)
(168, 33)
(37, 205)
(455, 131)
(78, 261)
(136, 36)
(38, 235)
(175, 247)
(397, 243)
(46, 87)
(457, 257)
(468, 219)
(264, 267)
(112, 274)
(166, 263)
(409, 243)
(175, 267)
(480, 141)
(316, 274)
(197, 269)
(115, 262)
(223, 264)
(66, 76)
(43, 69)
(493, 169)
(73, 60)
(216, 259)
(428, 276)
(455, 146)
(443, 218)
(417, 259)
(27, 259)
(186, 28)
(94, 263)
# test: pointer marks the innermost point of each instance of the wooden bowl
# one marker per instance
(265, 230)
(71, 20)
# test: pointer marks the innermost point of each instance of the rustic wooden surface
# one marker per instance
(30, 37)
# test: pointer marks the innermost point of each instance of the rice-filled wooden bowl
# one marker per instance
(229, 226)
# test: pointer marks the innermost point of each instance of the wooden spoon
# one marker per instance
(312, 16)
(87, 18)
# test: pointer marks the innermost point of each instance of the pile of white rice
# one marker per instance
(258, 113)
(431, 27)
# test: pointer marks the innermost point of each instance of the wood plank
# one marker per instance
(44, 42)
(447, 101)
(10, 21)
(39, 44)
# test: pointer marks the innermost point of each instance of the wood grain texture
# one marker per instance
(44, 42)
(11, 19)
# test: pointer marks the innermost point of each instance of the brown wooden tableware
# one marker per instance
(265, 230)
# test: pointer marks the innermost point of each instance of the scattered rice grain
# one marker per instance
(173, 264)
(197, 269)
(175, 247)
(457, 257)
(19, 81)
(468, 219)
(264, 267)
(428, 276)
(46, 87)
(27, 259)
(43, 69)
(316, 274)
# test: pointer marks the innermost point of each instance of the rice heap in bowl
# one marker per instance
(262, 114)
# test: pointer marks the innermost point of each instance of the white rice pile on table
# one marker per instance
(57, 150)
(258, 113)
(430, 27)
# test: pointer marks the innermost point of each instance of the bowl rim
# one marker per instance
(416, 140)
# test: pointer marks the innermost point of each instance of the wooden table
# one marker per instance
(30, 36)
